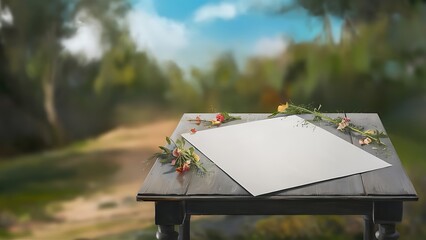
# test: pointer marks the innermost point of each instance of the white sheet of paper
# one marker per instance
(280, 153)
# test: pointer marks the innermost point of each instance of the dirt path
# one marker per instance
(114, 209)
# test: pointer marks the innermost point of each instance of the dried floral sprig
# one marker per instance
(222, 117)
(179, 157)
(342, 124)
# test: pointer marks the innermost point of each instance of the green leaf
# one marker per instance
(164, 149)
(168, 140)
(317, 118)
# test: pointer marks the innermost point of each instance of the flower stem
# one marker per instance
(318, 114)
(326, 118)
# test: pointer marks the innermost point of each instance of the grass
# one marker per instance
(412, 152)
(144, 234)
(28, 184)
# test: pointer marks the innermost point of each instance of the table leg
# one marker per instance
(386, 215)
(387, 232)
(368, 228)
(167, 215)
(184, 231)
(166, 232)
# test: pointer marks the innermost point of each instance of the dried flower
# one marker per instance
(282, 107)
(220, 117)
(186, 166)
(196, 157)
(215, 123)
(180, 157)
(176, 152)
(198, 120)
(341, 123)
(344, 123)
(365, 141)
(371, 132)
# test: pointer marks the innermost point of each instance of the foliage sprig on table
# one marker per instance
(179, 156)
(342, 124)
(222, 117)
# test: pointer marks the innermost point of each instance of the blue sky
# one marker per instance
(194, 32)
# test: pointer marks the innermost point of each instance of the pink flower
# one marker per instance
(220, 117)
(344, 123)
(198, 120)
(186, 166)
(365, 141)
(193, 130)
(176, 152)
(173, 162)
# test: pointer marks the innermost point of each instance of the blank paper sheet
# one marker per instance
(276, 154)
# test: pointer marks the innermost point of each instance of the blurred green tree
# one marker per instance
(32, 53)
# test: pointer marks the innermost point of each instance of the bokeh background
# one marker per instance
(89, 89)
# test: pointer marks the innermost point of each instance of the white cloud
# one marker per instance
(224, 11)
(270, 46)
(87, 41)
(160, 36)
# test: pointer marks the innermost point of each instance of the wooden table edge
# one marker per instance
(154, 198)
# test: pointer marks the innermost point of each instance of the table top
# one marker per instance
(391, 183)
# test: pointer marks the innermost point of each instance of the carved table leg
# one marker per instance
(167, 215)
(166, 232)
(387, 232)
(368, 228)
(387, 214)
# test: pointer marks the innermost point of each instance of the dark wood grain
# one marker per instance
(162, 179)
(278, 207)
(387, 181)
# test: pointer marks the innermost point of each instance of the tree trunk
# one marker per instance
(49, 86)
(49, 103)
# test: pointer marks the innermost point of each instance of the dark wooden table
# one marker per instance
(376, 195)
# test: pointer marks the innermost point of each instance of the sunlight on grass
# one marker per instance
(30, 183)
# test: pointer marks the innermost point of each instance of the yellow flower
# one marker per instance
(196, 157)
(371, 132)
(282, 107)
(215, 123)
